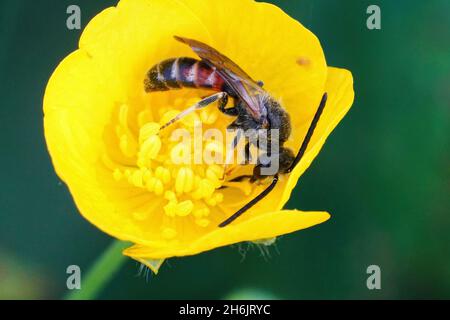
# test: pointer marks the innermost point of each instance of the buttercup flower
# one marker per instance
(102, 128)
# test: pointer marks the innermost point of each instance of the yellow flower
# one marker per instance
(102, 128)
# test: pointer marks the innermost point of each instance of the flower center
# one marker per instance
(187, 190)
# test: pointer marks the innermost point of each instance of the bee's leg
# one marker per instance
(241, 178)
(251, 203)
(220, 96)
(237, 179)
(233, 111)
(251, 178)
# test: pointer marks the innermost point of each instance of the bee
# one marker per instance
(253, 107)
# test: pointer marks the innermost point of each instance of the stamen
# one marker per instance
(127, 145)
(184, 181)
(149, 151)
(148, 130)
(200, 213)
(163, 174)
(185, 208)
(165, 168)
(136, 179)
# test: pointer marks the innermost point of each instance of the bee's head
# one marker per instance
(284, 158)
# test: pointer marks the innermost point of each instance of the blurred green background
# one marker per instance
(383, 174)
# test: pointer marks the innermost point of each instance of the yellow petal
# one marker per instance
(85, 119)
(339, 87)
(264, 226)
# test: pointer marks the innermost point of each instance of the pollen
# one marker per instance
(184, 208)
(183, 190)
(148, 130)
(149, 150)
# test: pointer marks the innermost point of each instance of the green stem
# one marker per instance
(104, 268)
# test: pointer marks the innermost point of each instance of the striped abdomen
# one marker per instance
(182, 72)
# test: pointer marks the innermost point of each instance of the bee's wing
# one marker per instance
(243, 85)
